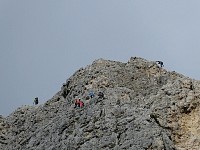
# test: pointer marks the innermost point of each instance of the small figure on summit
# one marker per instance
(36, 101)
(160, 63)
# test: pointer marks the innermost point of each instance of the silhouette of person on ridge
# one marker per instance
(160, 63)
(36, 101)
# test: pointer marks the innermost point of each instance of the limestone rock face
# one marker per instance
(145, 107)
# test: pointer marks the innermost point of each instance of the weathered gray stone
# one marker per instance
(145, 107)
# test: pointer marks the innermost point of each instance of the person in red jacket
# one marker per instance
(79, 103)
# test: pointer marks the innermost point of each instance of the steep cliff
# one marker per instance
(145, 108)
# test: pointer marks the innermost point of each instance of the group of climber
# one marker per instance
(160, 63)
(79, 103)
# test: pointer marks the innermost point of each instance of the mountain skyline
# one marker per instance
(42, 43)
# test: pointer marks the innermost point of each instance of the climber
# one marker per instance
(36, 101)
(91, 94)
(68, 82)
(160, 63)
(78, 103)
(81, 104)
(101, 95)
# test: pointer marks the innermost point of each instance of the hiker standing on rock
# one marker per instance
(36, 101)
(91, 94)
(76, 103)
(81, 104)
(160, 63)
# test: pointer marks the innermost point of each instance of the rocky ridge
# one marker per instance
(145, 108)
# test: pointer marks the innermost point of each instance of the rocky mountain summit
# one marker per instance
(145, 108)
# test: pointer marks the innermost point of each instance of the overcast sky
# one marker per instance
(43, 42)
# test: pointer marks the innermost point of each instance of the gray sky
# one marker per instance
(43, 42)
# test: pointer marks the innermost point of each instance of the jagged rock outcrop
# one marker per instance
(145, 108)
